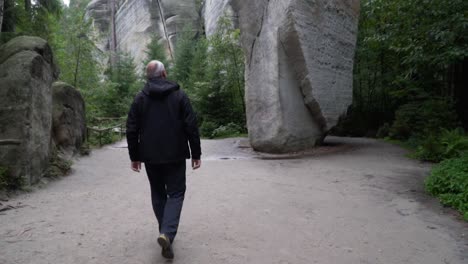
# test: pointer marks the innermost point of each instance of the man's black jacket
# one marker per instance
(160, 123)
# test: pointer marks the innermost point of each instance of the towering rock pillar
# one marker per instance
(299, 64)
(213, 10)
(137, 21)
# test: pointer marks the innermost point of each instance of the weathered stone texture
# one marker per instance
(68, 118)
(213, 10)
(27, 71)
(134, 26)
(137, 21)
(98, 11)
(299, 63)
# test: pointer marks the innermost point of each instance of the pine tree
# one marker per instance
(155, 50)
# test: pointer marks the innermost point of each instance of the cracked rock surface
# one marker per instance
(299, 64)
(137, 21)
(27, 71)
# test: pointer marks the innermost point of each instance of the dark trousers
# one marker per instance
(167, 183)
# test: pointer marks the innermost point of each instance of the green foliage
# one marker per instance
(155, 50)
(112, 96)
(183, 58)
(106, 137)
(207, 128)
(58, 166)
(445, 145)
(75, 52)
(417, 119)
(383, 131)
(449, 182)
(212, 73)
(35, 18)
(229, 130)
(124, 86)
(8, 182)
(409, 84)
(106, 93)
(408, 51)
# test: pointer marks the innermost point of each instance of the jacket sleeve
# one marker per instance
(191, 127)
(133, 129)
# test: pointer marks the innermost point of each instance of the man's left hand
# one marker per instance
(136, 166)
(196, 164)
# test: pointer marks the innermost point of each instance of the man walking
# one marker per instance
(160, 126)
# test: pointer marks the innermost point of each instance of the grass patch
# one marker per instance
(449, 182)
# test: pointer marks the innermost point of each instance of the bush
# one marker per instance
(449, 182)
(207, 129)
(58, 166)
(383, 131)
(446, 145)
(417, 119)
(229, 130)
(8, 182)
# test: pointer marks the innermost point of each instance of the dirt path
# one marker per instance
(355, 201)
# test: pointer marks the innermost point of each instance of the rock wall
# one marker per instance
(98, 11)
(134, 26)
(27, 70)
(299, 57)
(213, 10)
(299, 64)
(137, 21)
(68, 118)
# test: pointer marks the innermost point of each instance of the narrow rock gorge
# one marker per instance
(299, 56)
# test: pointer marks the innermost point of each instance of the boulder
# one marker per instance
(68, 118)
(299, 65)
(27, 71)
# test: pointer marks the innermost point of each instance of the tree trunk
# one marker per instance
(8, 23)
(166, 35)
(460, 83)
(1, 13)
(113, 41)
(27, 7)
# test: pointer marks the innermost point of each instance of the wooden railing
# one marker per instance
(106, 129)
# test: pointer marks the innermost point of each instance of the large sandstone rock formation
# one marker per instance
(137, 21)
(299, 57)
(98, 11)
(68, 118)
(299, 64)
(27, 71)
(213, 10)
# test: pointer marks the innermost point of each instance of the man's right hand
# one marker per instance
(196, 163)
(136, 166)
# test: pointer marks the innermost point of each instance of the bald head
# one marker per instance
(155, 69)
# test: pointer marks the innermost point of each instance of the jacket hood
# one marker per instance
(158, 87)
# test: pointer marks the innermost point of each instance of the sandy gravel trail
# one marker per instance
(354, 201)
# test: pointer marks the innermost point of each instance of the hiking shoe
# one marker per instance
(165, 244)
